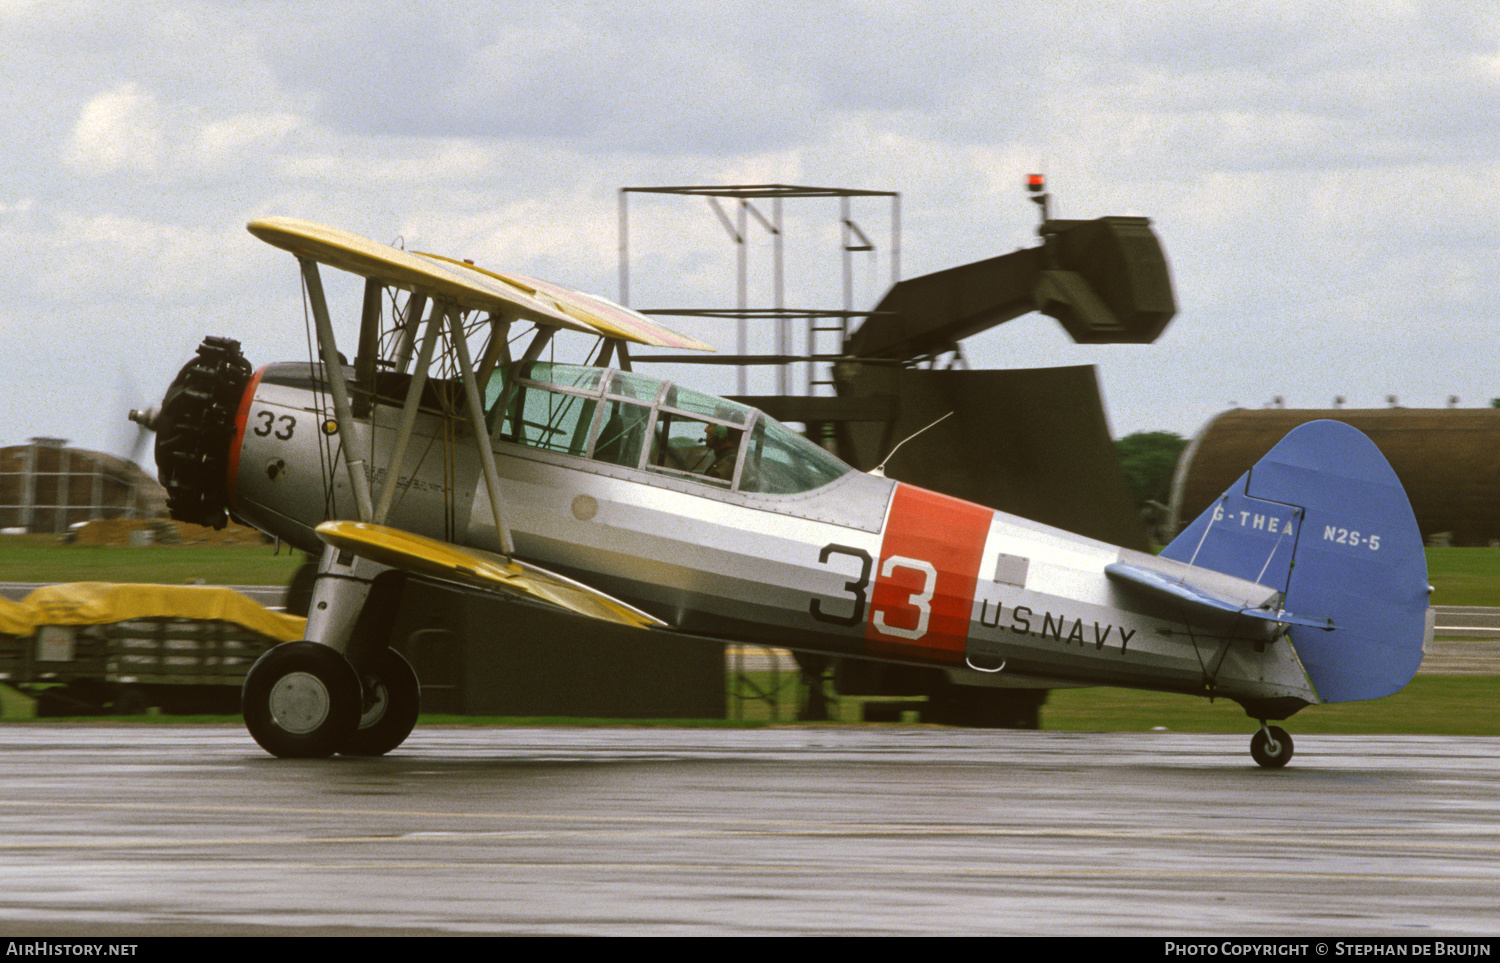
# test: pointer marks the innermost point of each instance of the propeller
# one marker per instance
(132, 443)
(145, 420)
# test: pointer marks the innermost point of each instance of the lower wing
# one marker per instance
(478, 569)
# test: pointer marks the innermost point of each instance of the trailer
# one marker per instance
(84, 648)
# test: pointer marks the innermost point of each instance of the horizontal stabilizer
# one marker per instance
(479, 569)
(1204, 599)
(1323, 519)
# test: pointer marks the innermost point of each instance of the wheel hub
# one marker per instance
(299, 702)
(377, 700)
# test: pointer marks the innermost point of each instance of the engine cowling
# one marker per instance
(195, 430)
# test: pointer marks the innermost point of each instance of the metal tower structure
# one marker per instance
(825, 329)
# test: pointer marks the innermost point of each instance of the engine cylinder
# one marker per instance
(195, 430)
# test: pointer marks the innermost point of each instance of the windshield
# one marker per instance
(652, 425)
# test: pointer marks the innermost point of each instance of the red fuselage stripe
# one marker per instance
(923, 597)
(240, 418)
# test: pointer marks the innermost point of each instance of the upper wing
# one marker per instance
(350, 252)
(467, 286)
(603, 315)
(478, 569)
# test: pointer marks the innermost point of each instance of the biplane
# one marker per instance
(450, 450)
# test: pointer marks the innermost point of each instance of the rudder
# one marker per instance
(1324, 519)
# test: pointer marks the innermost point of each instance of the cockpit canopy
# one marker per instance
(654, 425)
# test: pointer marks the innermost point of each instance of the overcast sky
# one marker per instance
(1325, 178)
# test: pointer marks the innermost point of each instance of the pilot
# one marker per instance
(697, 459)
(724, 443)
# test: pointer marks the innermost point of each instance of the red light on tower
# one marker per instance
(1036, 188)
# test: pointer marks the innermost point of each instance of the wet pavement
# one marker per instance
(141, 829)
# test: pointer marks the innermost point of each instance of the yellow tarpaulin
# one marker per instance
(15, 618)
(98, 603)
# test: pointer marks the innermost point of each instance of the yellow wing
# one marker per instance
(350, 252)
(603, 315)
(468, 286)
(478, 569)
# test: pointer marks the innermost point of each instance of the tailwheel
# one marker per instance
(1271, 747)
(301, 700)
(392, 699)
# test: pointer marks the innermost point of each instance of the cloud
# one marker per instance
(20, 9)
(127, 129)
(669, 78)
(232, 137)
(1311, 170)
(120, 128)
(138, 260)
(407, 161)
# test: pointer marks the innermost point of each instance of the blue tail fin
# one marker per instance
(1323, 519)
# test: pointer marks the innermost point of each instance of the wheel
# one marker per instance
(301, 700)
(1271, 747)
(392, 699)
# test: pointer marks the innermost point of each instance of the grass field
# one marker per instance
(41, 558)
(1459, 705)
(1464, 576)
(1452, 705)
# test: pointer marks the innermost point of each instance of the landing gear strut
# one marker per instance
(1271, 747)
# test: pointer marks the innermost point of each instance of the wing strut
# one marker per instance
(408, 416)
(508, 390)
(415, 305)
(615, 346)
(368, 347)
(481, 435)
(358, 480)
(496, 352)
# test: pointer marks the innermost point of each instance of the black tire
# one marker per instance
(301, 700)
(392, 699)
(1271, 751)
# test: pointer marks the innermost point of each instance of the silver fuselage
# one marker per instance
(862, 566)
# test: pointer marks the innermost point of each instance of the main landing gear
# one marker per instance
(1271, 746)
(392, 699)
(303, 700)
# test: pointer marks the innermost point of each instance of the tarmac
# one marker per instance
(139, 829)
